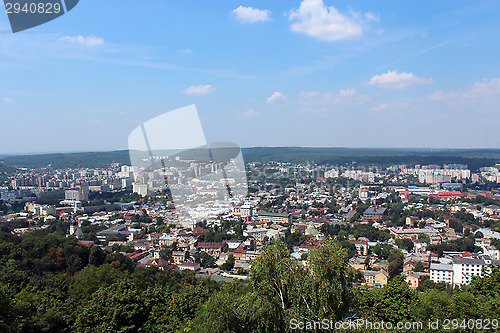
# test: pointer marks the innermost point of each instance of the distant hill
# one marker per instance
(6, 168)
(69, 160)
(474, 158)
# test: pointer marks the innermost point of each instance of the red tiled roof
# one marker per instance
(354, 241)
(209, 245)
(200, 230)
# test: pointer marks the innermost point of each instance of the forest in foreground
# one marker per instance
(51, 283)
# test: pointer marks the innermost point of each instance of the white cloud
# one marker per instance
(8, 100)
(396, 80)
(251, 15)
(187, 51)
(391, 106)
(379, 108)
(276, 97)
(307, 94)
(87, 41)
(482, 96)
(484, 91)
(372, 17)
(248, 114)
(315, 101)
(315, 19)
(199, 90)
(350, 96)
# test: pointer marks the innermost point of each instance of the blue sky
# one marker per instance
(261, 73)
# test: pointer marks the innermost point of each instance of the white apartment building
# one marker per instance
(441, 273)
(81, 194)
(460, 271)
(465, 268)
(333, 173)
(141, 189)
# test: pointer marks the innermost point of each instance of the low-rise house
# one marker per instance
(361, 246)
(375, 278)
(178, 257)
(413, 278)
(212, 249)
(358, 263)
(189, 265)
(160, 263)
(270, 218)
(199, 231)
(138, 245)
(374, 213)
(244, 255)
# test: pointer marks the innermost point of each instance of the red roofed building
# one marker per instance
(137, 255)
(310, 243)
(241, 254)
(447, 194)
(160, 263)
(199, 231)
(212, 249)
(361, 246)
(189, 265)
(298, 211)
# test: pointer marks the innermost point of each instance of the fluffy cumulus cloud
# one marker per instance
(8, 100)
(199, 90)
(86, 41)
(315, 19)
(315, 101)
(276, 97)
(350, 96)
(484, 92)
(397, 80)
(248, 114)
(251, 15)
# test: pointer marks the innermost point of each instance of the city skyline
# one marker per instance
(287, 73)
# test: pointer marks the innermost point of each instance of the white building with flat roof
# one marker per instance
(441, 273)
(461, 270)
(465, 268)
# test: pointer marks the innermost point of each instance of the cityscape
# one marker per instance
(436, 227)
(249, 166)
(442, 225)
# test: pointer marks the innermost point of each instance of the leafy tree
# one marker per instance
(419, 267)
(273, 277)
(97, 256)
(229, 264)
(90, 279)
(396, 259)
(396, 303)
(7, 315)
(405, 243)
(171, 312)
(206, 260)
(116, 308)
(326, 284)
(382, 250)
(225, 311)
(435, 304)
